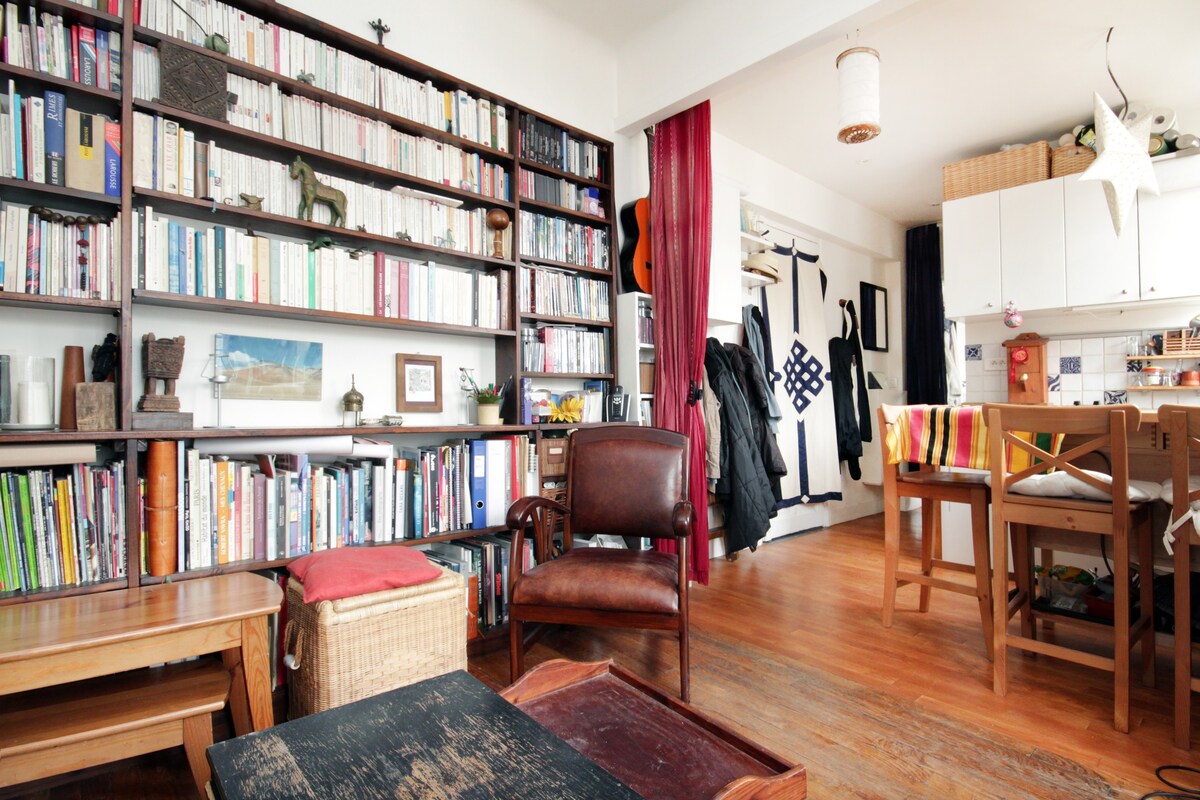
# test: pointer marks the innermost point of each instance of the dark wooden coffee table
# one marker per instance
(446, 737)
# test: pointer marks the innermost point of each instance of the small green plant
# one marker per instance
(488, 395)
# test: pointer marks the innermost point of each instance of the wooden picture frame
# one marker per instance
(418, 383)
(873, 306)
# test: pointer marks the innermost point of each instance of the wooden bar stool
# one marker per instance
(1182, 426)
(945, 432)
(1027, 496)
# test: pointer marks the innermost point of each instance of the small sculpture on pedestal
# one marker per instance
(352, 406)
(497, 220)
(162, 359)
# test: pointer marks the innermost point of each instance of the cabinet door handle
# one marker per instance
(991, 305)
(1153, 289)
(1124, 291)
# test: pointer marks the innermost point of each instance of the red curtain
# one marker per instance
(681, 240)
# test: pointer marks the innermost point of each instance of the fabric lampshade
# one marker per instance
(858, 95)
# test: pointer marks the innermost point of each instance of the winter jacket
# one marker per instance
(744, 487)
(754, 387)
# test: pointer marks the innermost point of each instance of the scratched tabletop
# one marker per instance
(443, 738)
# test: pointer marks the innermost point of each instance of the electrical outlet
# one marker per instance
(995, 364)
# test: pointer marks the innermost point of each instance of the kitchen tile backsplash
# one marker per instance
(1085, 370)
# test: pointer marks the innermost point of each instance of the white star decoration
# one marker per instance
(1122, 162)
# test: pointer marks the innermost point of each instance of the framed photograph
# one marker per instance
(873, 307)
(418, 382)
(269, 369)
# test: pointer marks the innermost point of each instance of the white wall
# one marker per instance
(856, 245)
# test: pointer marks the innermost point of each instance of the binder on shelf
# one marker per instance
(496, 489)
(479, 507)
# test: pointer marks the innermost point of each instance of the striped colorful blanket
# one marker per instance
(955, 436)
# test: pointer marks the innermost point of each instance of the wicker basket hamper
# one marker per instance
(994, 171)
(360, 646)
(1069, 159)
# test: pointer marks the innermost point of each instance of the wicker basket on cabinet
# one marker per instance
(993, 171)
(1069, 159)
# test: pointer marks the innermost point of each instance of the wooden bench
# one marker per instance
(72, 726)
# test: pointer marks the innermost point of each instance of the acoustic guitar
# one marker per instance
(635, 251)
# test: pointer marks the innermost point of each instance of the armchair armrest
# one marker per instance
(683, 519)
(525, 507)
(524, 510)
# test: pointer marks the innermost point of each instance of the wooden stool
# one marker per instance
(934, 487)
(64, 728)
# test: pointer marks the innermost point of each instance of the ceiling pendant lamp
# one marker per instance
(858, 95)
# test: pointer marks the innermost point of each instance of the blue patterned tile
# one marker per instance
(1054, 382)
(1133, 366)
(1070, 365)
(1116, 398)
(974, 352)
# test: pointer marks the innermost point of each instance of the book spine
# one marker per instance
(112, 158)
(56, 137)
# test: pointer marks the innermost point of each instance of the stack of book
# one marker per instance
(60, 525)
(564, 348)
(545, 290)
(47, 253)
(290, 53)
(558, 239)
(43, 43)
(44, 141)
(547, 143)
(560, 192)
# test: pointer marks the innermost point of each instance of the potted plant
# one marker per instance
(486, 398)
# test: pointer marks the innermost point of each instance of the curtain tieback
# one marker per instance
(695, 393)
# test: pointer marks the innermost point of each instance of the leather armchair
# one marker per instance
(621, 480)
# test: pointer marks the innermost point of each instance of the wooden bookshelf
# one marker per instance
(122, 105)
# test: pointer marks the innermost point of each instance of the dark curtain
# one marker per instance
(924, 317)
(681, 241)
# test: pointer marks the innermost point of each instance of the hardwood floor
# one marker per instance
(787, 647)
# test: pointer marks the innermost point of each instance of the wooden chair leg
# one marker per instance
(983, 577)
(999, 606)
(1121, 626)
(1023, 569)
(1145, 545)
(891, 555)
(197, 737)
(685, 689)
(930, 523)
(516, 649)
(1047, 560)
(1183, 643)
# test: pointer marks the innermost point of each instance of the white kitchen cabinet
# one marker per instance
(725, 260)
(1101, 268)
(1033, 271)
(971, 255)
(1169, 233)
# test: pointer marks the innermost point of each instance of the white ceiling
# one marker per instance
(958, 79)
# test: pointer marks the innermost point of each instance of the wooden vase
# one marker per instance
(72, 375)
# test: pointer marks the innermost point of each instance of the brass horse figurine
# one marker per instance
(312, 190)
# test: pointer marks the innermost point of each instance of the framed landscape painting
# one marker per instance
(269, 369)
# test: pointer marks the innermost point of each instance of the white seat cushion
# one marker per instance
(1168, 490)
(1063, 484)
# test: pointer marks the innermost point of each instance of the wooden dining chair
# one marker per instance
(1030, 497)
(1181, 424)
(624, 481)
(932, 485)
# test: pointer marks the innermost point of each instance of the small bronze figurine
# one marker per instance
(379, 28)
(312, 191)
(252, 202)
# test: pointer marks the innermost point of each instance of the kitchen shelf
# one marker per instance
(1163, 388)
(1169, 357)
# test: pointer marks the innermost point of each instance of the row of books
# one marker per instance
(545, 290)
(645, 323)
(44, 141)
(49, 254)
(484, 562)
(559, 239)
(239, 508)
(564, 348)
(560, 192)
(228, 263)
(265, 109)
(168, 158)
(79, 53)
(547, 143)
(61, 526)
(290, 53)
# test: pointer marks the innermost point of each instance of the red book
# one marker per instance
(75, 51)
(380, 288)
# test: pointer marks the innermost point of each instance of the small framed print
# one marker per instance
(418, 383)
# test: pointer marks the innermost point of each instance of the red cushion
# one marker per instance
(348, 571)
